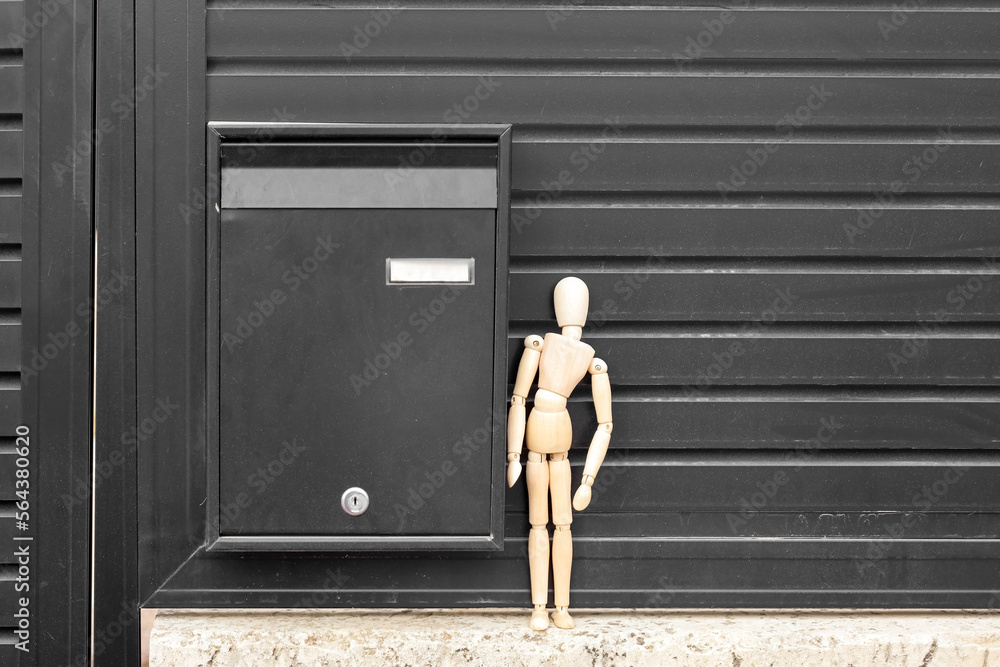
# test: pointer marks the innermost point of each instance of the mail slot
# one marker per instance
(358, 325)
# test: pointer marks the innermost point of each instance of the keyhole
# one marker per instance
(354, 501)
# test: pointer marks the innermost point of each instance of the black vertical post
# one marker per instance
(116, 606)
(57, 284)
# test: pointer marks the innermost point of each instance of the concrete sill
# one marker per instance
(320, 638)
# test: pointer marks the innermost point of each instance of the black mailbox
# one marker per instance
(357, 337)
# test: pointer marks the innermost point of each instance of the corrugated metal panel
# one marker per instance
(720, 482)
(757, 226)
(741, 95)
(597, 32)
(653, 358)
(654, 162)
(11, 166)
(789, 418)
(849, 251)
(775, 524)
(11, 173)
(732, 291)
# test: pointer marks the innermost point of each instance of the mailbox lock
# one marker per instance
(354, 501)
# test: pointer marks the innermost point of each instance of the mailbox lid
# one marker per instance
(360, 175)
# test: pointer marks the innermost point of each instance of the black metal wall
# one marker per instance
(46, 318)
(11, 172)
(788, 221)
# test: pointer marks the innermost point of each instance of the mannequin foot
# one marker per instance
(562, 619)
(539, 619)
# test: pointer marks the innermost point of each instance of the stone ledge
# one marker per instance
(323, 638)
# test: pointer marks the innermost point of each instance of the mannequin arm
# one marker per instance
(526, 372)
(601, 385)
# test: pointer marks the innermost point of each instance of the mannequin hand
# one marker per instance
(582, 497)
(513, 468)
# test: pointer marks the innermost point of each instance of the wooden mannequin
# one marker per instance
(561, 361)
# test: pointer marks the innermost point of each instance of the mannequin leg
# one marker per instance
(562, 539)
(538, 537)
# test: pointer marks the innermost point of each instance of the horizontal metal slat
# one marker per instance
(923, 525)
(736, 485)
(9, 601)
(10, 410)
(11, 152)
(11, 83)
(9, 654)
(10, 283)
(10, 218)
(938, 165)
(10, 346)
(11, 14)
(7, 529)
(602, 230)
(616, 101)
(598, 32)
(626, 572)
(707, 361)
(793, 422)
(8, 477)
(412, 574)
(643, 294)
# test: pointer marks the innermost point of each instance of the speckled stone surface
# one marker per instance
(321, 638)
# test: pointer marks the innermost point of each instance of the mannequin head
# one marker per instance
(572, 300)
